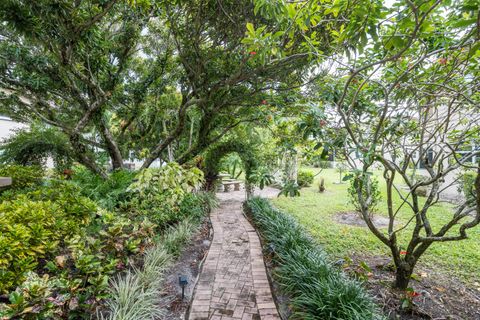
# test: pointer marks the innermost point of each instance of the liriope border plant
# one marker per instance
(317, 288)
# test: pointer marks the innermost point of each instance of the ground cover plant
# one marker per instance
(135, 294)
(318, 289)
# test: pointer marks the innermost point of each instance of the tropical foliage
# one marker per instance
(23, 177)
(196, 87)
(61, 251)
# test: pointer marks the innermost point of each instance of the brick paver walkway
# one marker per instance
(233, 283)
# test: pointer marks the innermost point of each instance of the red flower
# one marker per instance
(68, 173)
(252, 53)
(264, 101)
(442, 61)
(413, 294)
(403, 252)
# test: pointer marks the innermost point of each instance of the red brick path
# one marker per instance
(233, 283)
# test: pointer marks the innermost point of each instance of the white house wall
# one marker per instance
(7, 127)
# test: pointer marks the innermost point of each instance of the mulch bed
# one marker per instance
(188, 264)
(441, 297)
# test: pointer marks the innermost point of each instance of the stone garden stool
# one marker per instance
(227, 185)
(5, 182)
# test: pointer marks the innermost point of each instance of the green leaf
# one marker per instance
(365, 266)
(250, 28)
(464, 23)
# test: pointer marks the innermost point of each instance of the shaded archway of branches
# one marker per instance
(34, 145)
(214, 156)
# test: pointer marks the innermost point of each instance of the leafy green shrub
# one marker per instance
(261, 177)
(209, 201)
(107, 193)
(305, 178)
(80, 267)
(195, 205)
(22, 176)
(31, 228)
(171, 180)
(161, 212)
(63, 252)
(365, 185)
(30, 299)
(290, 189)
(467, 184)
(317, 288)
(165, 195)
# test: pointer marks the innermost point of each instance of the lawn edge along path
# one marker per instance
(233, 282)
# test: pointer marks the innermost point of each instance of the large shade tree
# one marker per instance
(162, 79)
(228, 73)
(65, 63)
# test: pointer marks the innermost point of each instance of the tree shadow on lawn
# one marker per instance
(355, 219)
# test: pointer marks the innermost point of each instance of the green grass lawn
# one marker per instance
(316, 211)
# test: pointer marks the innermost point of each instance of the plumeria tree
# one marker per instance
(408, 102)
(401, 92)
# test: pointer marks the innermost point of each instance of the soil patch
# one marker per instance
(188, 264)
(441, 296)
(355, 219)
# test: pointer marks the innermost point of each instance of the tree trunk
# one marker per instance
(169, 147)
(290, 166)
(112, 147)
(155, 154)
(210, 182)
(82, 156)
(190, 138)
(249, 189)
(403, 276)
